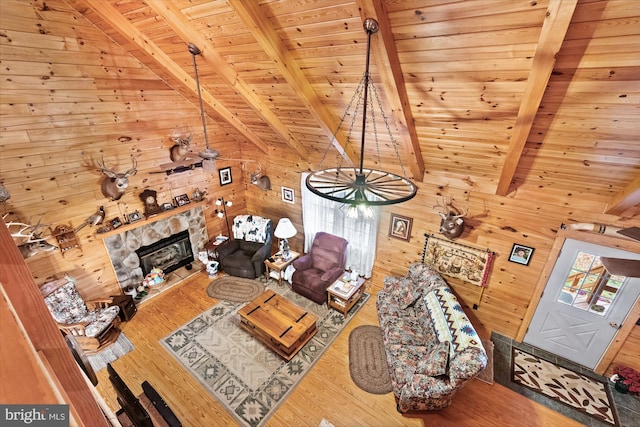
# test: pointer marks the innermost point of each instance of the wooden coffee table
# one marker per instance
(278, 323)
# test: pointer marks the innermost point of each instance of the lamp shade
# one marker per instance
(285, 229)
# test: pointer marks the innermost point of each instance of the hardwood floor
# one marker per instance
(325, 392)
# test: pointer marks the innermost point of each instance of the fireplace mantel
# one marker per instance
(151, 219)
(123, 242)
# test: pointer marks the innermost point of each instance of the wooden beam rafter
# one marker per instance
(123, 26)
(180, 24)
(249, 12)
(386, 56)
(554, 30)
(625, 199)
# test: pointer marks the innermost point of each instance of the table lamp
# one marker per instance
(284, 231)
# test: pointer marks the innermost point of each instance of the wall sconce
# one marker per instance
(222, 213)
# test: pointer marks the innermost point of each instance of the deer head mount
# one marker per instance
(182, 145)
(28, 240)
(114, 184)
(452, 222)
(262, 181)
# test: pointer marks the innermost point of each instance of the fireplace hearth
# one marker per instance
(167, 254)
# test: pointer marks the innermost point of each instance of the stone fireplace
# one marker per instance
(167, 254)
(182, 236)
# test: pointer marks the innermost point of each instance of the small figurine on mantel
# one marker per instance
(198, 195)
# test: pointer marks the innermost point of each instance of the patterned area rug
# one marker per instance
(580, 392)
(235, 289)
(246, 377)
(368, 361)
(110, 354)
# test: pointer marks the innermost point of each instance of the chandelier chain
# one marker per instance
(386, 123)
(355, 97)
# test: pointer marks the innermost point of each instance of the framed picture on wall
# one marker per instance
(225, 175)
(400, 227)
(521, 254)
(288, 195)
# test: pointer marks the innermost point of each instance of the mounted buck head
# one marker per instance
(262, 181)
(114, 184)
(452, 223)
(182, 147)
(28, 240)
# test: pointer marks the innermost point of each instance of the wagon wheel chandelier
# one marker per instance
(360, 186)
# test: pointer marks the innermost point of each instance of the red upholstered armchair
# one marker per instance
(318, 269)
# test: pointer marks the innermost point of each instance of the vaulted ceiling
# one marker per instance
(535, 98)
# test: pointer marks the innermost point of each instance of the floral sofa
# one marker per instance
(431, 346)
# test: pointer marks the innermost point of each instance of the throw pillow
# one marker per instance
(437, 362)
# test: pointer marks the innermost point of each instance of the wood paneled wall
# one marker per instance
(70, 96)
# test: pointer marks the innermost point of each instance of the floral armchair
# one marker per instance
(94, 323)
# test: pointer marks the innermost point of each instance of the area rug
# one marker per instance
(110, 354)
(578, 391)
(235, 289)
(486, 375)
(368, 361)
(246, 377)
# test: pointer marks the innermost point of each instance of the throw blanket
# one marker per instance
(250, 228)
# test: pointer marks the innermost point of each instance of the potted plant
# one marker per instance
(626, 379)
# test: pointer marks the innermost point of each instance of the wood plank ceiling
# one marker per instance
(504, 97)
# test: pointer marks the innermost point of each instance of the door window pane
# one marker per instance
(589, 286)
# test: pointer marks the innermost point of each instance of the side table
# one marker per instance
(342, 295)
(279, 264)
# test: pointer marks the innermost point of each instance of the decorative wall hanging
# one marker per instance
(457, 260)
(400, 227)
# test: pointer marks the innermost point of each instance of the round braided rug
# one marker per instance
(235, 289)
(368, 361)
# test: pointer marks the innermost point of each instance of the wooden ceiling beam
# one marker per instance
(554, 30)
(123, 26)
(181, 25)
(249, 12)
(626, 199)
(390, 70)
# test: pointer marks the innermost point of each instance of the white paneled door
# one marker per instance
(583, 304)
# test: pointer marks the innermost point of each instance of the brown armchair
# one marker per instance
(94, 323)
(318, 269)
(244, 255)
